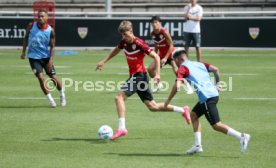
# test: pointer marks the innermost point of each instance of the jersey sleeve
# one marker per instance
(207, 65)
(200, 13)
(182, 72)
(121, 45)
(163, 31)
(185, 10)
(144, 47)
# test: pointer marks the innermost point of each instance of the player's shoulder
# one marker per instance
(163, 30)
(199, 6)
(139, 41)
(121, 44)
(30, 25)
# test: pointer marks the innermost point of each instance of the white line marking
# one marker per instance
(123, 73)
(239, 55)
(239, 74)
(254, 98)
(24, 98)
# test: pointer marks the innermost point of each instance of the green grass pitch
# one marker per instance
(33, 135)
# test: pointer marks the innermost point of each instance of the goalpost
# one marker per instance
(49, 6)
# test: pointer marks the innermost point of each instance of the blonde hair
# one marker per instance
(124, 26)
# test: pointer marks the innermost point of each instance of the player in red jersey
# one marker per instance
(164, 47)
(135, 51)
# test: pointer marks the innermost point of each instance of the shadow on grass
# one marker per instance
(25, 107)
(146, 154)
(89, 140)
(170, 155)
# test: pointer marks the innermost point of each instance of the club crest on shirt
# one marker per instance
(161, 36)
(254, 32)
(133, 46)
(82, 31)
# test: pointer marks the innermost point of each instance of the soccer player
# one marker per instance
(193, 15)
(164, 47)
(135, 51)
(197, 74)
(39, 36)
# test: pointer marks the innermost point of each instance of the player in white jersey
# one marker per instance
(193, 14)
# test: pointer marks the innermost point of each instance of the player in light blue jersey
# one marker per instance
(40, 40)
(197, 74)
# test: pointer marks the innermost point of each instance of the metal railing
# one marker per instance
(142, 14)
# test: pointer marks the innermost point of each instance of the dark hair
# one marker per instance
(155, 18)
(179, 53)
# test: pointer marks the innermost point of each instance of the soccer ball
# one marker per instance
(105, 132)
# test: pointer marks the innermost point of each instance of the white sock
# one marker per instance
(49, 96)
(197, 138)
(122, 123)
(178, 109)
(234, 133)
(61, 93)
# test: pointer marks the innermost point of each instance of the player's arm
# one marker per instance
(52, 44)
(25, 41)
(196, 18)
(216, 73)
(156, 59)
(181, 74)
(170, 50)
(113, 53)
(186, 11)
(52, 52)
(173, 92)
(156, 50)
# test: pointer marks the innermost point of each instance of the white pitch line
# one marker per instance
(254, 98)
(24, 98)
(239, 74)
(238, 55)
(122, 73)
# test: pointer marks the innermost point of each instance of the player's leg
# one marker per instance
(42, 83)
(37, 68)
(197, 40)
(196, 113)
(174, 66)
(160, 107)
(56, 81)
(127, 89)
(187, 42)
(58, 85)
(212, 116)
(120, 107)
